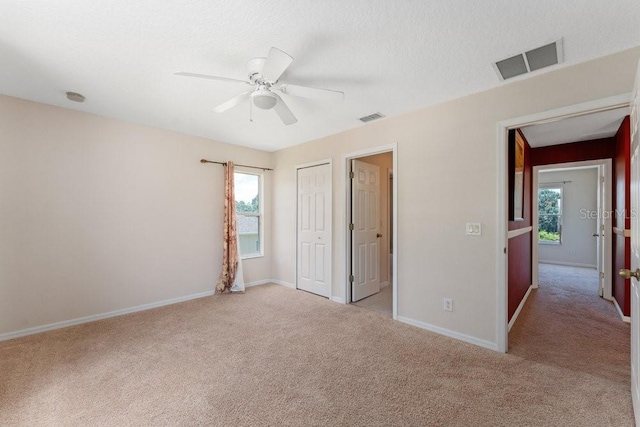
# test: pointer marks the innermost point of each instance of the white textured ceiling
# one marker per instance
(390, 56)
(603, 124)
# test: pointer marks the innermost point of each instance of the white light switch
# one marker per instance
(474, 229)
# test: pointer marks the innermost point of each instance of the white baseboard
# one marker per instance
(280, 282)
(520, 306)
(452, 334)
(339, 300)
(383, 284)
(93, 318)
(257, 283)
(624, 318)
(568, 264)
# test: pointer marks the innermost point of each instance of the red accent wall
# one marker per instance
(596, 149)
(519, 262)
(622, 208)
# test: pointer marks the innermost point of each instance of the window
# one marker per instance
(248, 213)
(550, 215)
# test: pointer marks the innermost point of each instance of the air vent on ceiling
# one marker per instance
(531, 60)
(371, 117)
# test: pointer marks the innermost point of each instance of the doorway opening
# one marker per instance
(572, 221)
(504, 234)
(371, 230)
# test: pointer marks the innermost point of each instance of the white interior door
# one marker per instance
(365, 234)
(635, 247)
(314, 230)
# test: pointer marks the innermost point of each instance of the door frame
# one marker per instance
(502, 241)
(346, 213)
(607, 170)
(330, 223)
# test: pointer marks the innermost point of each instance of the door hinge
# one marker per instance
(352, 175)
(602, 179)
(602, 275)
(351, 279)
(351, 227)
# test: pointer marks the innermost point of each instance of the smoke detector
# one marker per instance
(75, 97)
(531, 60)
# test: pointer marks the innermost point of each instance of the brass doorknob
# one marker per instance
(378, 235)
(628, 274)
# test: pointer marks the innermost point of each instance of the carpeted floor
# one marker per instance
(279, 357)
(566, 324)
(382, 302)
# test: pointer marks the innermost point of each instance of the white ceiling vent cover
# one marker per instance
(531, 60)
(371, 117)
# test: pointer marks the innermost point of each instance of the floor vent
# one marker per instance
(371, 117)
(531, 60)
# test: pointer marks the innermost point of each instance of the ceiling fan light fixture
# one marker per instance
(263, 99)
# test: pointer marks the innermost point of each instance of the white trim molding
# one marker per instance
(449, 333)
(337, 299)
(519, 232)
(101, 316)
(282, 283)
(568, 264)
(520, 307)
(624, 318)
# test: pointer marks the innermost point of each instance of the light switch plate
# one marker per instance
(474, 229)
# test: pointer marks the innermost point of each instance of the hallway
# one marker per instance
(564, 323)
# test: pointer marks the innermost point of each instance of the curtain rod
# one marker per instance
(242, 166)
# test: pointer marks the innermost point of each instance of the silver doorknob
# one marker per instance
(628, 274)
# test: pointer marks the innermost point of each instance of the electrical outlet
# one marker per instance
(448, 304)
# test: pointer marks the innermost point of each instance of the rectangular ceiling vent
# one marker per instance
(531, 60)
(371, 117)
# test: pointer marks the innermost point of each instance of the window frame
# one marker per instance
(259, 214)
(560, 215)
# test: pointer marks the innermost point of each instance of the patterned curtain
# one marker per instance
(230, 255)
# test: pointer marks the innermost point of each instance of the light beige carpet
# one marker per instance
(382, 302)
(278, 357)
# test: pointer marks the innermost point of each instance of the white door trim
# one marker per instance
(502, 246)
(346, 160)
(607, 164)
(295, 171)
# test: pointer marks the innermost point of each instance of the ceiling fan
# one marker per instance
(263, 75)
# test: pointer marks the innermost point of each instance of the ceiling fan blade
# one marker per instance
(277, 61)
(232, 102)
(206, 76)
(284, 112)
(312, 92)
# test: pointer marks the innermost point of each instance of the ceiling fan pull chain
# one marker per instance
(250, 111)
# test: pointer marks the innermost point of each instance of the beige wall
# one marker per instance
(100, 215)
(385, 162)
(446, 176)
